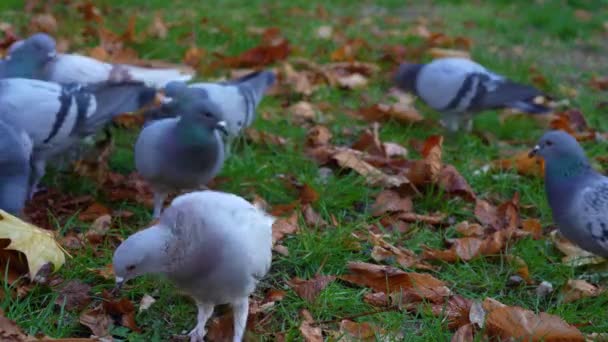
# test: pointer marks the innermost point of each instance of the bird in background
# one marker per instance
(237, 100)
(36, 57)
(58, 116)
(459, 88)
(184, 152)
(214, 246)
(577, 194)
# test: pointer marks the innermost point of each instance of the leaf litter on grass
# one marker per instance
(400, 180)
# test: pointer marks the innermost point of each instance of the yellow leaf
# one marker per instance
(38, 245)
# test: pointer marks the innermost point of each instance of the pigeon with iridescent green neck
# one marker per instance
(181, 153)
(577, 194)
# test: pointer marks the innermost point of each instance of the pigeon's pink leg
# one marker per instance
(204, 312)
(241, 310)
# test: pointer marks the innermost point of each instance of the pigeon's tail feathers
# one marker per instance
(258, 82)
(512, 94)
(529, 107)
(157, 78)
(112, 99)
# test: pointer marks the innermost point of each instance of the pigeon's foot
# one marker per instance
(198, 333)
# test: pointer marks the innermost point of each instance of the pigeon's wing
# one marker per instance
(216, 219)
(591, 207)
(112, 99)
(445, 84)
(68, 68)
(42, 109)
(149, 148)
(15, 153)
(157, 78)
(497, 92)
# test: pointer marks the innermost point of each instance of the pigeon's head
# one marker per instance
(38, 48)
(203, 112)
(406, 76)
(557, 147)
(139, 254)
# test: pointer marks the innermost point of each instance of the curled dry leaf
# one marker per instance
(348, 158)
(193, 56)
(311, 288)
(575, 255)
(533, 227)
(145, 302)
(75, 295)
(470, 229)
(456, 310)
(308, 331)
(262, 137)
(464, 334)
(389, 201)
(599, 83)
(44, 22)
(302, 112)
(93, 212)
(318, 136)
(264, 54)
(522, 324)
(353, 331)
(283, 227)
(399, 106)
(122, 310)
(158, 27)
(523, 164)
(405, 257)
(443, 53)
(576, 289)
(453, 183)
(97, 320)
(389, 279)
(99, 229)
(434, 219)
(468, 248)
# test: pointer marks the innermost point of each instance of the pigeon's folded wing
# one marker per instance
(592, 208)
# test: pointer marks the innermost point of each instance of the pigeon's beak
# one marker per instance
(534, 151)
(119, 282)
(52, 54)
(223, 127)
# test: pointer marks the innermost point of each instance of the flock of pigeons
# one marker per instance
(216, 246)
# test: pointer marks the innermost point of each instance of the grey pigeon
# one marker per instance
(459, 87)
(36, 57)
(15, 152)
(55, 117)
(214, 246)
(237, 99)
(181, 153)
(577, 194)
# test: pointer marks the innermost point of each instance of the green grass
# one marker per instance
(566, 50)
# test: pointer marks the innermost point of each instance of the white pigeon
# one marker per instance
(55, 116)
(36, 57)
(459, 87)
(214, 246)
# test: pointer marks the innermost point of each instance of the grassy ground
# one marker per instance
(509, 37)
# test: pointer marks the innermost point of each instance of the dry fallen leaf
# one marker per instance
(158, 27)
(516, 322)
(406, 258)
(464, 334)
(45, 22)
(74, 295)
(389, 201)
(122, 310)
(443, 53)
(575, 255)
(97, 320)
(389, 279)
(145, 302)
(309, 332)
(193, 56)
(360, 332)
(311, 288)
(522, 163)
(38, 245)
(284, 226)
(399, 106)
(348, 158)
(576, 289)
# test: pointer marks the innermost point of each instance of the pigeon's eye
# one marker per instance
(130, 267)
(549, 143)
(207, 114)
